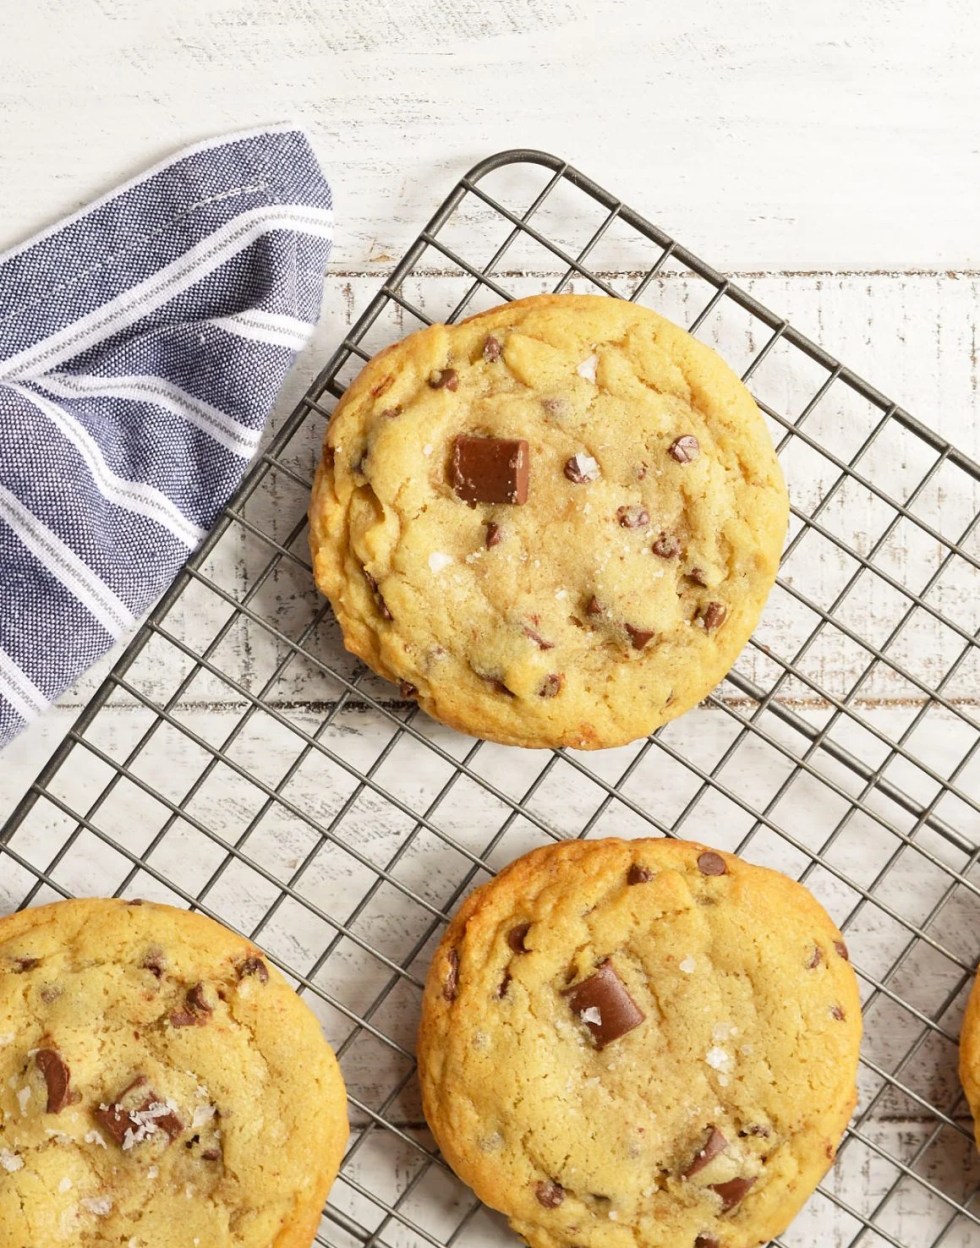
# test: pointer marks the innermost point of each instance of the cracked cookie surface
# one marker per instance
(555, 523)
(970, 1055)
(640, 1044)
(161, 1085)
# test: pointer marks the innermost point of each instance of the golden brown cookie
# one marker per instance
(640, 1044)
(160, 1084)
(970, 1055)
(555, 523)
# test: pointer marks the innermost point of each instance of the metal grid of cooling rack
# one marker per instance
(238, 761)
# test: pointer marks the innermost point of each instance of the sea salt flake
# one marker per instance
(8, 1037)
(153, 1172)
(202, 1114)
(11, 1162)
(723, 1031)
(613, 1215)
(591, 1015)
(561, 593)
(65, 1185)
(688, 965)
(427, 449)
(586, 467)
(718, 1059)
(93, 1137)
(23, 1096)
(101, 1206)
(587, 368)
(438, 561)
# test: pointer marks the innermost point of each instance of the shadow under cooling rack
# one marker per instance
(237, 760)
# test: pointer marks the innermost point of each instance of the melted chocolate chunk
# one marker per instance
(706, 1241)
(57, 1076)
(593, 606)
(503, 986)
(697, 576)
(450, 986)
(684, 449)
(25, 964)
(500, 687)
(838, 1013)
(639, 636)
(581, 469)
(137, 1115)
(515, 937)
(491, 349)
(211, 1154)
(712, 616)
(490, 470)
(196, 1011)
(551, 686)
(536, 637)
(391, 412)
(632, 517)
(842, 950)
(154, 961)
(710, 863)
(549, 1193)
(444, 379)
(383, 387)
(816, 957)
(755, 1128)
(713, 1146)
(732, 1192)
(494, 536)
(667, 546)
(604, 1005)
(407, 689)
(254, 965)
(373, 586)
(638, 874)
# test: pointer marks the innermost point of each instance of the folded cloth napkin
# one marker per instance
(142, 345)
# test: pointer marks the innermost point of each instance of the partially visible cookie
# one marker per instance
(555, 523)
(640, 1044)
(160, 1084)
(970, 1055)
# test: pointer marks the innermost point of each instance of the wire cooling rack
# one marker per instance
(238, 761)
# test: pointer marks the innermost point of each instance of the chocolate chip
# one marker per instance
(154, 961)
(604, 1005)
(490, 470)
(638, 874)
(697, 576)
(710, 863)
(838, 1013)
(816, 957)
(713, 1146)
(407, 689)
(581, 469)
(712, 616)
(632, 517)
(494, 536)
(515, 937)
(667, 546)
(57, 1076)
(383, 387)
(684, 449)
(842, 950)
(491, 349)
(706, 1241)
(254, 965)
(444, 379)
(732, 1192)
(551, 686)
(549, 1193)
(536, 637)
(593, 606)
(450, 986)
(25, 964)
(639, 636)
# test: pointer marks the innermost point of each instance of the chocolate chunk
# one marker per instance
(604, 1005)
(697, 576)
(551, 686)
(391, 412)
(154, 961)
(515, 937)
(706, 1241)
(838, 1013)
(632, 517)
(732, 1192)
(639, 636)
(538, 640)
(25, 964)
(712, 616)
(138, 901)
(254, 965)
(407, 689)
(383, 387)
(667, 546)
(593, 606)
(503, 986)
(638, 874)
(710, 863)
(500, 686)
(581, 469)
(444, 379)
(816, 957)
(57, 1076)
(549, 1193)
(373, 586)
(197, 1000)
(450, 987)
(196, 1011)
(491, 349)
(684, 449)
(490, 470)
(714, 1145)
(842, 950)
(494, 536)
(211, 1154)
(148, 1114)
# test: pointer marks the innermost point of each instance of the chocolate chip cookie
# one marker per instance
(555, 523)
(640, 1044)
(970, 1055)
(160, 1083)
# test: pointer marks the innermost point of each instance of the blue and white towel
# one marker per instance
(142, 345)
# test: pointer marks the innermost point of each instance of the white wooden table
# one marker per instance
(827, 156)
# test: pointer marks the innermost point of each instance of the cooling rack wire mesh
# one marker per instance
(239, 761)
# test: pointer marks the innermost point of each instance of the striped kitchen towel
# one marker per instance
(142, 345)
